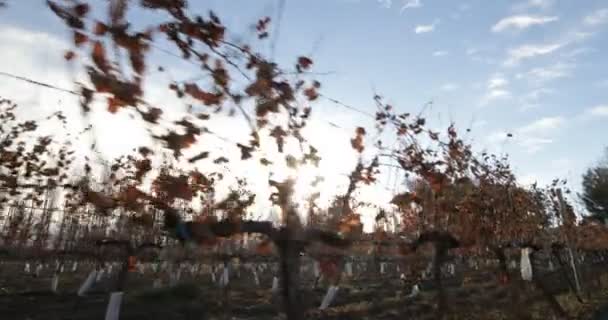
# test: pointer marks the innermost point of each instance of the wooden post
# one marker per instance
(553, 303)
(562, 209)
(438, 260)
(290, 275)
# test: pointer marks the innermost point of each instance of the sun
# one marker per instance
(304, 177)
(310, 179)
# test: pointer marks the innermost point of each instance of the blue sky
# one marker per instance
(534, 68)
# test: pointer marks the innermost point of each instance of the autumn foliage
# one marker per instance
(457, 198)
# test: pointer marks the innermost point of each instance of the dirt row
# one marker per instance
(472, 294)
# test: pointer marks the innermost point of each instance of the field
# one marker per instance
(471, 294)
(222, 197)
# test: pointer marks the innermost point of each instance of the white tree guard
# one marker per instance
(26, 268)
(525, 265)
(255, 277)
(382, 266)
(415, 291)
(329, 297)
(316, 269)
(87, 284)
(54, 282)
(275, 284)
(225, 277)
(141, 268)
(99, 275)
(348, 268)
(113, 309)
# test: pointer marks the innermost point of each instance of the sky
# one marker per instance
(532, 68)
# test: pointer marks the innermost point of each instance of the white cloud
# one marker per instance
(498, 94)
(386, 3)
(577, 52)
(449, 87)
(30, 37)
(496, 137)
(497, 81)
(540, 92)
(493, 95)
(529, 51)
(580, 36)
(531, 137)
(529, 106)
(496, 89)
(598, 111)
(561, 164)
(545, 74)
(39, 55)
(35, 55)
(521, 22)
(533, 144)
(440, 53)
(532, 99)
(472, 51)
(596, 18)
(542, 125)
(479, 124)
(426, 27)
(528, 179)
(541, 4)
(411, 4)
(462, 9)
(551, 73)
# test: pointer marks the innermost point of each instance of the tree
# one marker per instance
(460, 200)
(595, 189)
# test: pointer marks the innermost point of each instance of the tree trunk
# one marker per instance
(502, 260)
(564, 268)
(440, 253)
(557, 308)
(124, 269)
(290, 278)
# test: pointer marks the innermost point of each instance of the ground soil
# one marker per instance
(472, 295)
